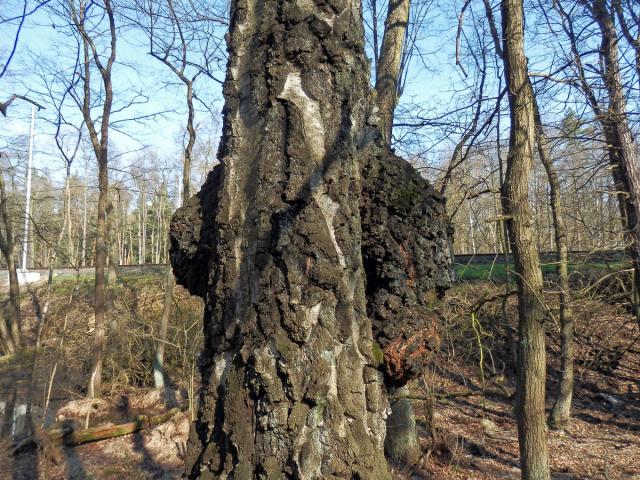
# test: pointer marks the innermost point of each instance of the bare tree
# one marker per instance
(612, 116)
(530, 393)
(621, 150)
(10, 328)
(562, 407)
(80, 13)
(185, 40)
(561, 411)
(628, 16)
(20, 19)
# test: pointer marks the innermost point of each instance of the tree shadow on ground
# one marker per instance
(148, 464)
(25, 462)
(73, 465)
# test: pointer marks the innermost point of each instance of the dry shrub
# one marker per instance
(134, 308)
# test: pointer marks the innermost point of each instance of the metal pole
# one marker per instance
(27, 209)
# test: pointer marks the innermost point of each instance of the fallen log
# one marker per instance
(501, 391)
(71, 437)
(68, 436)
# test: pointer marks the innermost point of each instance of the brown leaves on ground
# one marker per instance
(476, 436)
(155, 453)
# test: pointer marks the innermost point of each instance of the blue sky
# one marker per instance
(41, 43)
(432, 82)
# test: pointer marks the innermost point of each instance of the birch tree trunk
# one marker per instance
(290, 384)
(530, 394)
(307, 202)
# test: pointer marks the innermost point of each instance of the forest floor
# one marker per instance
(471, 436)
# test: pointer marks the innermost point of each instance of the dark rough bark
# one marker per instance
(401, 441)
(406, 254)
(290, 387)
(193, 235)
(274, 244)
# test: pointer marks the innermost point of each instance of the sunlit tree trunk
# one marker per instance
(290, 387)
(389, 64)
(621, 145)
(530, 393)
(561, 411)
(99, 137)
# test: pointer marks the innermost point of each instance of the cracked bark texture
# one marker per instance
(274, 243)
(406, 254)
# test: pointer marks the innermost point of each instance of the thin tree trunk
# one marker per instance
(84, 223)
(615, 125)
(100, 143)
(374, 15)
(186, 165)
(95, 381)
(153, 240)
(12, 339)
(530, 397)
(143, 254)
(140, 256)
(561, 411)
(130, 257)
(158, 358)
(185, 194)
(14, 298)
(389, 63)
(621, 144)
(112, 242)
(53, 254)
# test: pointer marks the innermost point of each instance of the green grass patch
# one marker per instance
(498, 272)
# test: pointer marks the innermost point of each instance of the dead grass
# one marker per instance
(476, 436)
